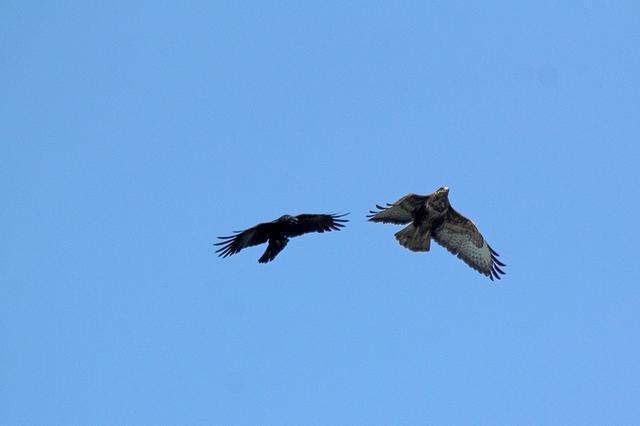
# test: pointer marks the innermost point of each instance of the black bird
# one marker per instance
(278, 233)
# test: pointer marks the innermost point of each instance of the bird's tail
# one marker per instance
(415, 239)
(275, 246)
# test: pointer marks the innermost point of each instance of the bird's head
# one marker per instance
(289, 219)
(439, 200)
(443, 191)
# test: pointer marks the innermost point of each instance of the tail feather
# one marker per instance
(275, 246)
(414, 238)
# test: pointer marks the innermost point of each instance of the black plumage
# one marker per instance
(278, 232)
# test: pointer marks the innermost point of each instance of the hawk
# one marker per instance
(278, 232)
(432, 217)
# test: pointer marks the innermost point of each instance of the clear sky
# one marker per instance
(134, 133)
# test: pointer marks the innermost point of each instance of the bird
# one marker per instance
(432, 217)
(278, 232)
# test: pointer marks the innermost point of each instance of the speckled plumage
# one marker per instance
(432, 217)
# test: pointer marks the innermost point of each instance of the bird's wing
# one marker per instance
(315, 223)
(399, 212)
(253, 236)
(460, 236)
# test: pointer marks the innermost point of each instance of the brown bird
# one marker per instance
(432, 217)
(278, 233)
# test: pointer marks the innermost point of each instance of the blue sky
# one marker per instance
(135, 133)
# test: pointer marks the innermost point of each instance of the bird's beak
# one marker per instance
(446, 189)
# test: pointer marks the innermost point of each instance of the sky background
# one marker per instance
(134, 133)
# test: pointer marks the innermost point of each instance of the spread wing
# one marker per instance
(461, 237)
(399, 212)
(315, 223)
(251, 237)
